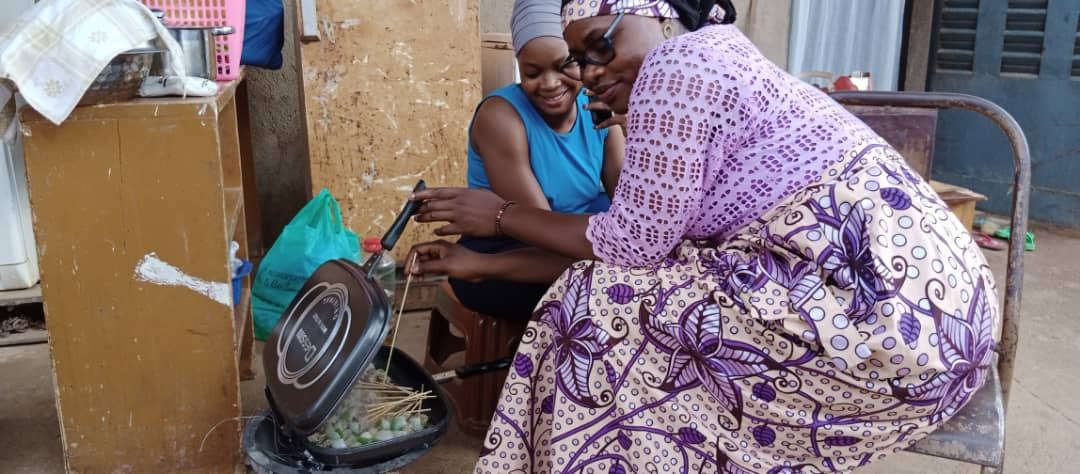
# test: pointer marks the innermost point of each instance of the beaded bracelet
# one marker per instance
(499, 216)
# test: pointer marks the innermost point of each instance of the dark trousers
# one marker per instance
(499, 298)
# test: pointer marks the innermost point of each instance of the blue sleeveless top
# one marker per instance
(568, 165)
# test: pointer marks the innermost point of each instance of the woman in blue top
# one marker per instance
(535, 143)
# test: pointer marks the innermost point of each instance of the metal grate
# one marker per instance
(1025, 23)
(956, 37)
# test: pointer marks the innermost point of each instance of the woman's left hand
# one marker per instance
(466, 211)
(445, 258)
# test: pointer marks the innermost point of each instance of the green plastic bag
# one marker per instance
(315, 236)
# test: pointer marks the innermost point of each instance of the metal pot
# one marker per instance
(121, 78)
(200, 53)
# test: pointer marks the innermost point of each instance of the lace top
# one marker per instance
(716, 136)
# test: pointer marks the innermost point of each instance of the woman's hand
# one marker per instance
(615, 119)
(467, 211)
(442, 257)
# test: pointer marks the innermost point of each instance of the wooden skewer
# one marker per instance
(390, 405)
(404, 295)
(387, 391)
(399, 401)
(399, 407)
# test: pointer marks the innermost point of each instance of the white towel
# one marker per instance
(53, 52)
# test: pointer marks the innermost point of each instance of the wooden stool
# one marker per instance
(486, 338)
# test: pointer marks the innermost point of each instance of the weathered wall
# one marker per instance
(278, 126)
(279, 141)
(766, 22)
(495, 15)
(388, 99)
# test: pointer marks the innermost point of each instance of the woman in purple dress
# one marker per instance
(772, 289)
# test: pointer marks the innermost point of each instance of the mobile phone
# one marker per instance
(598, 116)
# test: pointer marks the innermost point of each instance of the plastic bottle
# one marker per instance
(385, 271)
(384, 274)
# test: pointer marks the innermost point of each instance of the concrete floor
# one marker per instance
(1043, 429)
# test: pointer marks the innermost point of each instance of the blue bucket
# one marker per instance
(238, 281)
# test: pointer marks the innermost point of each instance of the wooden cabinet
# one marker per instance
(134, 206)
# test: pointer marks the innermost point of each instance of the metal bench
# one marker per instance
(977, 433)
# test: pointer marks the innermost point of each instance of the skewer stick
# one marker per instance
(404, 295)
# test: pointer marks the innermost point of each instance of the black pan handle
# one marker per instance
(390, 239)
(483, 367)
(474, 369)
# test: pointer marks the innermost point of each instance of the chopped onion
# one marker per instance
(350, 426)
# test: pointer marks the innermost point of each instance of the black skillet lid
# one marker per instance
(327, 336)
(323, 342)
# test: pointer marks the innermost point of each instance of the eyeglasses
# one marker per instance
(599, 53)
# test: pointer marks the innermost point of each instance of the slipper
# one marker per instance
(987, 242)
(1006, 232)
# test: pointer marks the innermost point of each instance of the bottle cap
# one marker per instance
(372, 245)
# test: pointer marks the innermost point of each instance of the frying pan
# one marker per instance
(328, 335)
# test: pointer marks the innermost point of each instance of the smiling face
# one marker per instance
(553, 93)
(632, 39)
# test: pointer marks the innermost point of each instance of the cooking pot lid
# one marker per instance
(328, 335)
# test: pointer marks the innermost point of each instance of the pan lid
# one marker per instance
(327, 336)
(322, 343)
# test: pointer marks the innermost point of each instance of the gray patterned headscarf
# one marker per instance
(532, 19)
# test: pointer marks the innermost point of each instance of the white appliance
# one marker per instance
(18, 257)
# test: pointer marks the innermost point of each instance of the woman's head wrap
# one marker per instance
(532, 19)
(693, 14)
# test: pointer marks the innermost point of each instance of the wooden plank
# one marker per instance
(182, 220)
(252, 214)
(234, 207)
(909, 130)
(960, 200)
(245, 335)
(143, 371)
(18, 297)
(227, 91)
(385, 110)
(421, 295)
(30, 336)
(496, 61)
(232, 174)
(236, 175)
(240, 312)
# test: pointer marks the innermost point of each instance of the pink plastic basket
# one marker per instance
(210, 13)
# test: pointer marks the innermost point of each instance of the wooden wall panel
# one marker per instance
(389, 90)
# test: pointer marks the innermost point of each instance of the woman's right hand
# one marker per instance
(613, 120)
(442, 257)
(466, 211)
